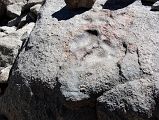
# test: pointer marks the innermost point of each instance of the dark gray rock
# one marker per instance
(2, 9)
(97, 64)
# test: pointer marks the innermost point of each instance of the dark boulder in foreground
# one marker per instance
(99, 64)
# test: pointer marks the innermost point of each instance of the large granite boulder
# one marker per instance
(99, 64)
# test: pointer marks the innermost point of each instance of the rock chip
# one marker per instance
(4, 74)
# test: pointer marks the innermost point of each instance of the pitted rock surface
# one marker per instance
(97, 64)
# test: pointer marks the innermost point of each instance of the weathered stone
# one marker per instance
(35, 9)
(2, 34)
(14, 10)
(128, 99)
(35, 2)
(7, 29)
(10, 2)
(9, 46)
(4, 74)
(27, 28)
(97, 64)
(11, 42)
(80, 3)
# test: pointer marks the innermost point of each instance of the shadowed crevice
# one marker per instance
(3, 87)
(3, 117)
(66, 13)
(148, 2)
(93, 32)
(117, 4)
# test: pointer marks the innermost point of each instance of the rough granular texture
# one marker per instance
(97, 64)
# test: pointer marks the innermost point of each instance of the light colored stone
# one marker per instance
(4, 74)
(10, 2)
(2, 34)
(7, 29)
(14, 10)
(35, 1)
(35, 9)
(11, 42)
(9, 45)
(27, 28)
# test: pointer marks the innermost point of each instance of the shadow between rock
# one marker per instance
(117, 4)
(65, 13)
(3, 117)
(148, 3)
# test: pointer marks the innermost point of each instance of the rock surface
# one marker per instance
(4, 74)
(10, 42)
(14, 10)
(16, 23)
(97, 64)
(35, 9)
